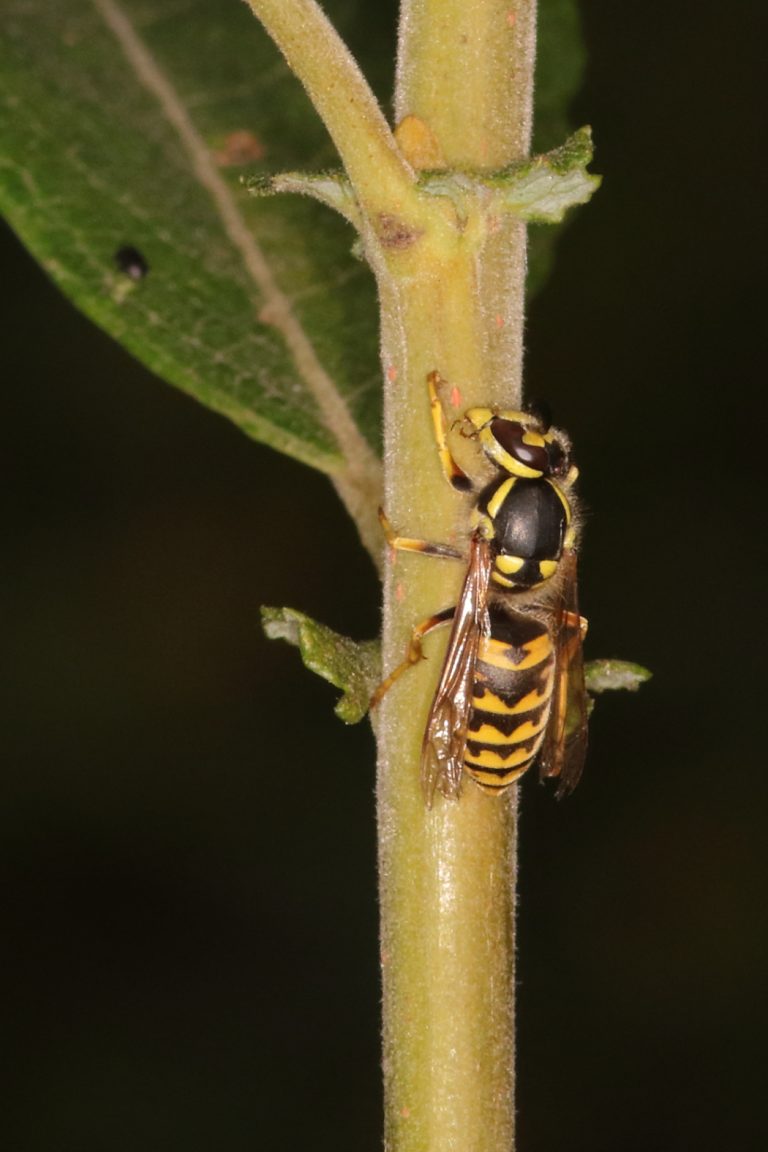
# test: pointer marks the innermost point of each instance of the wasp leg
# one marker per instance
(409, 544)
(455, 476)
(576, 624)
(414, 654)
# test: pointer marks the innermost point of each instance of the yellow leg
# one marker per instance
(454, 475)
(410, 544)
(414, 654)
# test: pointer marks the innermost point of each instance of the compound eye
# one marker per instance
(509, 434)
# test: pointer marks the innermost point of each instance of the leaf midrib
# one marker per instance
(358, 478)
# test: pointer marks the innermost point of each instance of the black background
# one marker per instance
(178, 970)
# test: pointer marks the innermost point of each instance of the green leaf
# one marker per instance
(353, 666)
(561, 60)
(612, 675)
(331, 188)
(538, 190)
(560, 64)
(542, 189)
(130, 123)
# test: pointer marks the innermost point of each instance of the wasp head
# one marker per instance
(522, 444)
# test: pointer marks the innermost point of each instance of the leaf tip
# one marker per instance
(614, 675)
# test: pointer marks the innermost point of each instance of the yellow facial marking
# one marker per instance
(479, 416)
(547, 568)
(513, 414)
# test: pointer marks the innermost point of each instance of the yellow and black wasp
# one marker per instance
(511, 692)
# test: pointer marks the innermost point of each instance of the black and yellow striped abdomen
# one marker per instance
(511, 698)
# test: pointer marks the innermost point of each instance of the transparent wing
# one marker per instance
(445, 737)
(565, 744)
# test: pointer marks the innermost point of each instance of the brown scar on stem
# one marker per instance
(395, 233)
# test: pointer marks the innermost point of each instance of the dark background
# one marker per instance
(177, 971)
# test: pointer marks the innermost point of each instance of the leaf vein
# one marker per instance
(359, 483)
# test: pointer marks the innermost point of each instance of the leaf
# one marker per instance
(540, 189)
(128, 123)
(331, 188)
(560, 64)
(353, 666)
(612, 675)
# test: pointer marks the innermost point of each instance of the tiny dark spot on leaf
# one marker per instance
(131, 262)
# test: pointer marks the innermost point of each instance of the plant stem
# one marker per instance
(321, 60)
(451, 286)
(454, 304)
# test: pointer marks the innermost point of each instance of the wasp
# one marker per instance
(511, 691)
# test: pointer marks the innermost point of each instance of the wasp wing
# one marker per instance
(565, 744)
(445, 736)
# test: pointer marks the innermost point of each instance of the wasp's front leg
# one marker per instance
(455, 475)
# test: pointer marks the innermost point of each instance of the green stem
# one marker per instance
(313, 49)
(454, 303)
(462, 68)
(451, 294)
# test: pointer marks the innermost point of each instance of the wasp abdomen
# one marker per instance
(511, 698)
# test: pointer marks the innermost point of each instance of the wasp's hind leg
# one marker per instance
(414, 654)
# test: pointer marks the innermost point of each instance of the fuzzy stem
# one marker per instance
(313, 49)
(447, 876)
(451, 288)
